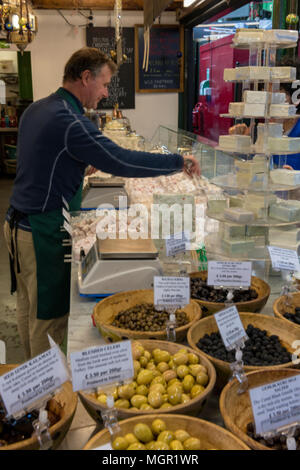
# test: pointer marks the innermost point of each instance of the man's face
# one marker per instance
(96, 88)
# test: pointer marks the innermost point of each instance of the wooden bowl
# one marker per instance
(193, 407)
(279, 307)
(67, 398)
(274, 326)
(262, 288)
(106, 310)
(236, 409)
(210, 435)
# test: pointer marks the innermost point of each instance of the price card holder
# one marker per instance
(234, 336)
(229, 275)
(105, 367)
(276, 409)
(171, 293)
(177, 243)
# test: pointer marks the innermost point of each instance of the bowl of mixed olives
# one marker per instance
(237, 413)
(18, 434)
(168, 432)
(133, 315)
(212, 299)
(269, 344)
(168, 378)
(287, 308)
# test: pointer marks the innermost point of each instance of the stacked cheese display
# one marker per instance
(246, 37)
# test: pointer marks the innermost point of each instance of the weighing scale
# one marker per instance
(102, 191)
(113, 266)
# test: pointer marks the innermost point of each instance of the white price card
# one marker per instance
(276, 404)
(230, 326)
(177, 243)
(33, 380)
(169, 290)
(229, 273)
(101, 365)
(284, 259)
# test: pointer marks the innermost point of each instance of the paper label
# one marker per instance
(230, 274)
(33, 380)
(101, 365)
(169, 291)
(286, 260)
(177, 243)
(230, 326)
(276, 404)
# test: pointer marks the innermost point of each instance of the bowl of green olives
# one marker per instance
(19, 435)
(287, 308)
(168, 378)
(168, 432)
(132, 315)
(269, 344)
(237, 414)
(212, 300)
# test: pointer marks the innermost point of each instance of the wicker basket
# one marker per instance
(106, 310)
(68, 399)
(193, 407)
(210, 435)
(236, 409)
(279, 307)
(255, 306)
(274, 326)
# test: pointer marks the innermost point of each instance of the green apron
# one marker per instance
(53, 274)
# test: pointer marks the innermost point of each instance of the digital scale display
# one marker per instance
(88, 262)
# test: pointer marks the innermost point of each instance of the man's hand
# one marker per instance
(239, 129)
(190, 166)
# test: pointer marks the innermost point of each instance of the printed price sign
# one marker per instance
(171, 290)
(230, 274)
(178, 243)
(286, 260)
(33, 380)
(230, 326)
(276, 404)
(101, 365)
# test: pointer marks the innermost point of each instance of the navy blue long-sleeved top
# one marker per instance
(55, 145)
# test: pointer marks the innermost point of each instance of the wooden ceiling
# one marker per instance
(96, 4)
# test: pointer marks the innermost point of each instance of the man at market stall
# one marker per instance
(56, 143)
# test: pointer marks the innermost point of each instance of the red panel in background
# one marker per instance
(216, 56)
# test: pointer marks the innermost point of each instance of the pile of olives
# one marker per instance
(201, 291)
(144, 317)
(260, 349)
(294, 317)
(161, 380)
(277, 442)
(12, 430)
(156, 437)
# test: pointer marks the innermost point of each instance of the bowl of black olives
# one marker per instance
(287, 308)
(132, 315)
(269, 344)
(237, 414)
(18, 434)
(213, 299)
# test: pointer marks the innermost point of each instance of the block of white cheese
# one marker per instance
(256, 231)
(236, 143)
(259, 203)
(284, 176)
(236, 201)
(284, 36)
(283, 73)
(284, 144)
(285, 211)
(248, 171)
(236, 109)
(252, 73)
(266, 97)
(247, 36)
(282, 110)
(229, 75)
(285, 235)
(238, 247)
(272, 129)
(216, 205)
(255, 109)
(238, 214)
(233, 231)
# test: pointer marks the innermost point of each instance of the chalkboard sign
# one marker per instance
(121, 88)
(165, 69)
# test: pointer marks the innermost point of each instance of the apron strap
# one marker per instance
(15, 217)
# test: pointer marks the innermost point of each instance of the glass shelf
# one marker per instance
(267, 222)
(255, 152)
(264, 45)
(246, 116)
(213, 245)
(229, 182)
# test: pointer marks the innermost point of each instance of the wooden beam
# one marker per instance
(96, 4)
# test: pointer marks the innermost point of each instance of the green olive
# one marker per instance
(176, 445)
(122, 403)
(166, 406)
(193, 358)
(160, 356)
(188, 383)
(142, 390)
(181, 435)
(158, 380)
(137, 350)
(169, 375)
(195, 369)
(120, 443)
(192, 443)
(155, 399)
(130, 438)
(144, 377)
(146, 407)
(182, 371)
(126, 391)
(138, 400)
(143, 432)
(185, 398)
(136, 446)
(160, 445)
(143, 361)
(157, 388)
(166, 436)
(175, 393)
(162, 367)
(180, 358)
(102, 398)
(196, 390)
(202, 379)
(158, 426)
